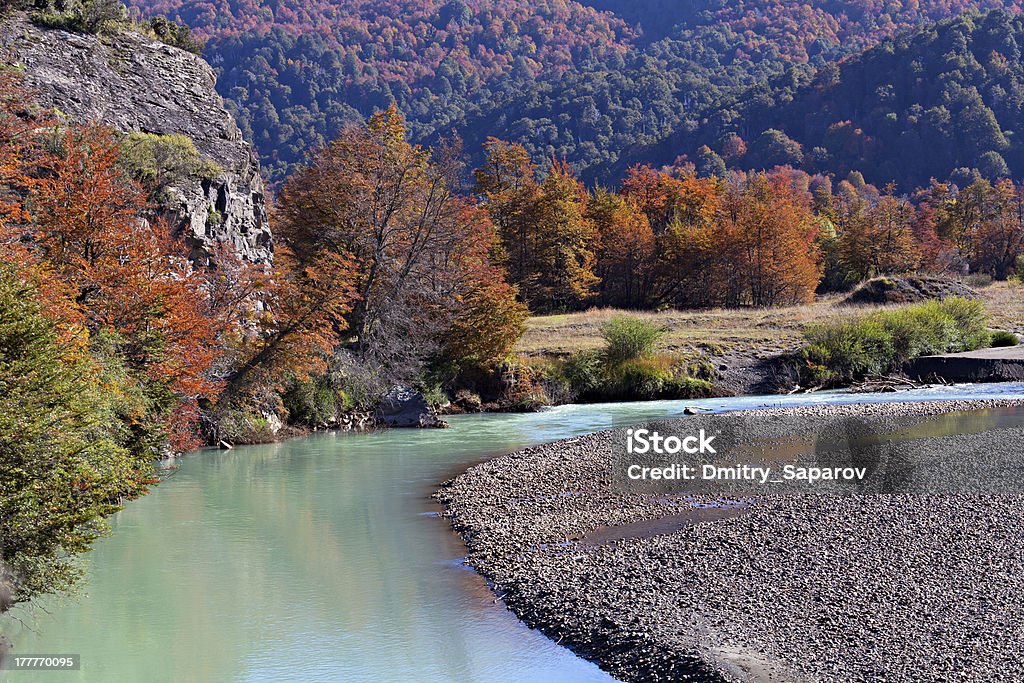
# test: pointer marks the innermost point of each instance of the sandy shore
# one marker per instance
(788, 588)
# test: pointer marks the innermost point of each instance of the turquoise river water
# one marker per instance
(324, 558)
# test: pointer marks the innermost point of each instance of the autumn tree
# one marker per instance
(508, 183)
(876, 237)
(487, 319)
(25, 131)
(421, 252)
(293, 332)
(127, 279)
(625, 249)
(652, 192)
(986, 223)
(931, 228)
(768, 241)
(545, 232)
(21, 135)
(562, 276)
(684, 213)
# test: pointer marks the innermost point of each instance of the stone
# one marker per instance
(468, 401)
(132, 83)
(405, 407)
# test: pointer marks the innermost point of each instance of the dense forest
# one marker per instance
(942, 102)
(601, 89)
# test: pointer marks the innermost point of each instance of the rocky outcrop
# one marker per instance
(406, 407)
(132, 83)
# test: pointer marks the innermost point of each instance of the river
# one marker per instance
(323, 558)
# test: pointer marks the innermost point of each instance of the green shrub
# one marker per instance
(175, 35)
(584, 371)
(656, 377)
(83, 16)
(1003, 338)
(638, 379)
(844, 351)
(970, 323)
(628, 338)
(684, 386)
(62, 466)
(312, 403)
(542, 382)
(245, 427)
(434, 394)
(160, 161)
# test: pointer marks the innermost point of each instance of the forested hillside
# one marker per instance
(941, 102)
(603, 86)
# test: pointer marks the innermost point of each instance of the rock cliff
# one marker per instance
(132, 83)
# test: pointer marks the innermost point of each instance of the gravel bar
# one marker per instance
(790, 588)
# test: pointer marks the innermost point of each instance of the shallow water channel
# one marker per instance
(323, 558)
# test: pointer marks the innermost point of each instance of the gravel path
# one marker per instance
(789, 588)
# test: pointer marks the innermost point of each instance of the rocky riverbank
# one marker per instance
(789, 588)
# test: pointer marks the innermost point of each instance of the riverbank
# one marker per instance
(791, 588)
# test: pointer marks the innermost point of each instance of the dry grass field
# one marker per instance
(747, 331)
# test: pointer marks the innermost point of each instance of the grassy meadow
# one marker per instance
(753, 331)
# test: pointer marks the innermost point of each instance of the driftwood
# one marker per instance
(881, 385)
(886, 384)
(803, 390)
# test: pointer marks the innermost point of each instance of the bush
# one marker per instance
(175, 35)
(245, 427)
(1003, 338)
(312, 403)
(838, 352)
(978, 280)
(160, 161)
(685, 386)
(844, 351)
(584, 371)
(434, 394)
(628, 338)
(83, 16)
(639, 379)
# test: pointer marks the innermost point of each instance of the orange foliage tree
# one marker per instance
(545, 232)
(986, 224)
(684, 212)
(625, 249)
(876, 237)
(106, 273)
(769, 239)
(421, 252)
